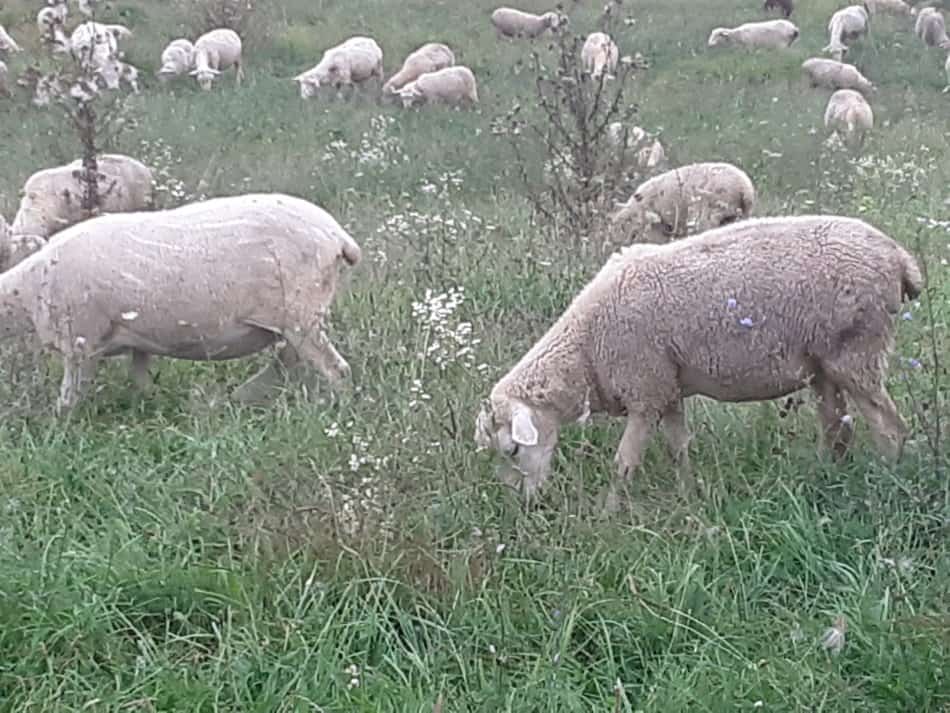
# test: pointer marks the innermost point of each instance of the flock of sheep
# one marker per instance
(752, 308)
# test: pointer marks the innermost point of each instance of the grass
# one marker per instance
(178, 553)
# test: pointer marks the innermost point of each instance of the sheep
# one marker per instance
(509, 22)
(599, 55)
(770, 34)
(889, 7)
(845, 26)
(430, 57)
(216, 51)
(7, 44)
(353, 61)
(178, 58)
(848, 113)
(52, 197)
(931, 28)
(95, 46)
(649, 151)
(455, 86)
(50, 18)
(214, 280)
(832, 74)
(783, 6)
(748, 312)
(685, 200)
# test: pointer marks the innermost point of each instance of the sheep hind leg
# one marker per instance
(138, 368)
(239, 75)
(77, 374)
(629, 455)
(837, 428)
(677, 436)
(314, 347)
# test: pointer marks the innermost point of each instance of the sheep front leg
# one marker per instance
(629, 455)
(77, 373)
(261, 386)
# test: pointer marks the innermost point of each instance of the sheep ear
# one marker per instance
(523, 431)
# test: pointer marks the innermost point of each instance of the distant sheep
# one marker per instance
(599, 55)
(50, 18)
(353, 62)
(849, 114)
(770, 34)
(889, 7)
(52, 197)
(430, 57)
(831, 74)
(455, 86)
(6, 42)
(931, 28)
(95, 46)
(178, 58)
(214, 280)
(509, 22)
(683, 201)
(784, 6)
(216, 51)
(748, 312)
(845, 27)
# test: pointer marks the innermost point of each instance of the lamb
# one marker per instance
(889, 7)
(96, 46)
(685, 200)
(178, 58)
(455, 86)
(509, 22)
(214, 280)
(832, 74)
(354, 61)
(430, 57)
(748, 312)
(931, 28)
(845, 26)
(770, 34)
(848, 113)
(6, 42)
(783, 6)
(599, 55)
(216, 51)
(52, 197)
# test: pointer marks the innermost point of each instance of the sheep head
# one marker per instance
(719, 36)
(205, 76)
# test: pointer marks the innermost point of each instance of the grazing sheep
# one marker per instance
(509, 22)
(931, 28)
(216, 51)
(95, 46)
(845, 27)
(430, 57)
(831, 74)
(685, 200)
(6, 42)
(783, 6)
(748, 312)
(889, 7)
(178, 58)
(649, 151)
(354, 61)
(599, 55)
(455, 86)
(52, 197)
(214, 280)
(849, 114)
(770, 34)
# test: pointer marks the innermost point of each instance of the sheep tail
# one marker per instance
(351, 251)
(912, 280)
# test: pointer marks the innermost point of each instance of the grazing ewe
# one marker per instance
(430, 57)
(889, 7)
(845, 26)
(748, 312)
(849, 114)
(52, 197)
(6, 42)
(831, 74)
(178, 58)
(683, 201)
(770, 34)
(214, 280)
(216, 51)
(509, 22)
(354, 61)
(599, 55)
(455, 86)
(931, 28)
(783, 6)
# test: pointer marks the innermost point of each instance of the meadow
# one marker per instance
(352, 551)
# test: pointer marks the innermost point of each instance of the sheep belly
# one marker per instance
(229, 340)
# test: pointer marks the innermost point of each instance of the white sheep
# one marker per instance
(648, 151)
(352, 62)
(430, 57)
(683, 201)
(768, 34)
(599, 54)
(50, 18)
(96, 47)
(216, 51)
(889, 7)
(178, 58)
(931, 28)
(832, 74)
(849, 114)
(845, 27)
(214, 280)
(509, 22)
(455, 86)
(748, 312)
(7, 44)
(52, 197)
